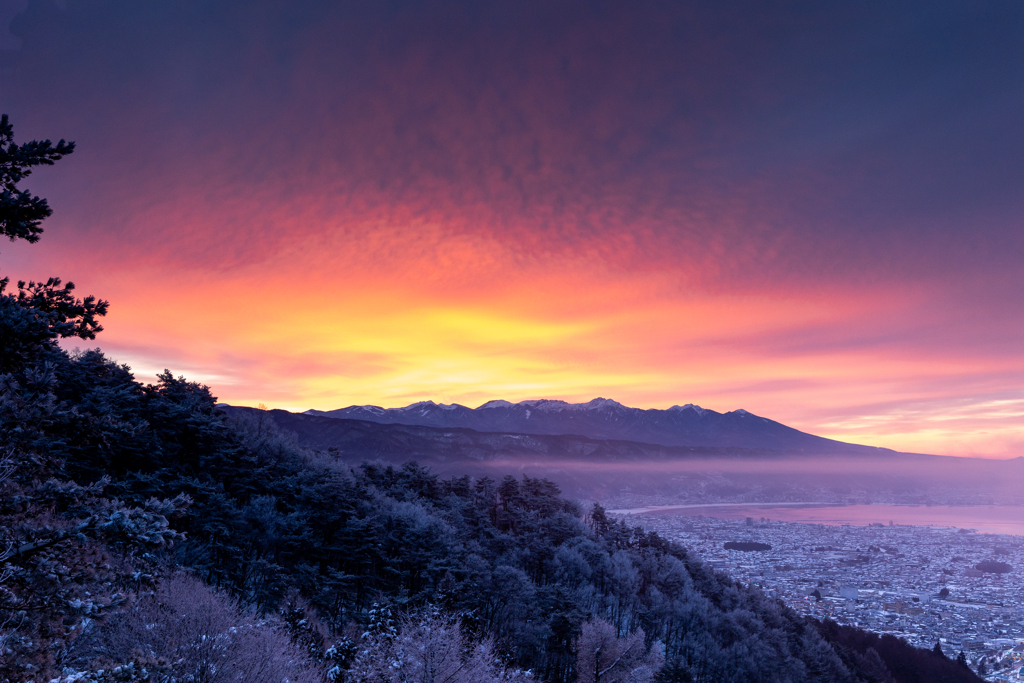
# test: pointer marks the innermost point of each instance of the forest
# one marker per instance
(145, 535)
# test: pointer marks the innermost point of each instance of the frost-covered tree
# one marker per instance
(186, 631)
(69, 555)
(604, 657)
(432, 648)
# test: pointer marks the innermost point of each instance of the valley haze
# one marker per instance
(629, 457)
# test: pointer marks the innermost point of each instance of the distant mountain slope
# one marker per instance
(684, 426)
(357, 440)
(599, 469)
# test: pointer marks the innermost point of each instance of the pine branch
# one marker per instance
(26, 550)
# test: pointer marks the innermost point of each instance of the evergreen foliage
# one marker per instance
(511, 558)
(70, 554)
(21, 213)
(899, 661)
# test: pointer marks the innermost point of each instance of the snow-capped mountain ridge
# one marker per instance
(495, 404)
(603, 418)
(689, 406)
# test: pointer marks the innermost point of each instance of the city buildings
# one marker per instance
(916, 583)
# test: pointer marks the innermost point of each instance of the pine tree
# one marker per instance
(68, 552)
(40, 312)
(21, 213)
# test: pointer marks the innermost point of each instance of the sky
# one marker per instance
(812, 211)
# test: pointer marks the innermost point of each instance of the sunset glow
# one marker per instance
(522, 213)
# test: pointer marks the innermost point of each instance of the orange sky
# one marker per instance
(348, 209)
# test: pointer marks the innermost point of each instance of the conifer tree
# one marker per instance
(21, 213)
(67, 551)
(42, 311)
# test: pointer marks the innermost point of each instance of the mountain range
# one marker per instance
(679, 426)
(732, 457)
(358, 440)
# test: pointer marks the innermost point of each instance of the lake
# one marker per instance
(986, 519)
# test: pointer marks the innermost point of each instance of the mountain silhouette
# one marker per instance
(679, 426)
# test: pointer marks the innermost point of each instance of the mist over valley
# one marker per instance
(569, 445)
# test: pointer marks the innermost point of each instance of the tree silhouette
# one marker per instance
(40, 312)
(57, 571)
(21, 213)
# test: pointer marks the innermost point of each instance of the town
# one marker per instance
(953, 587)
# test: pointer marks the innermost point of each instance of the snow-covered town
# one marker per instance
(955, 587)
